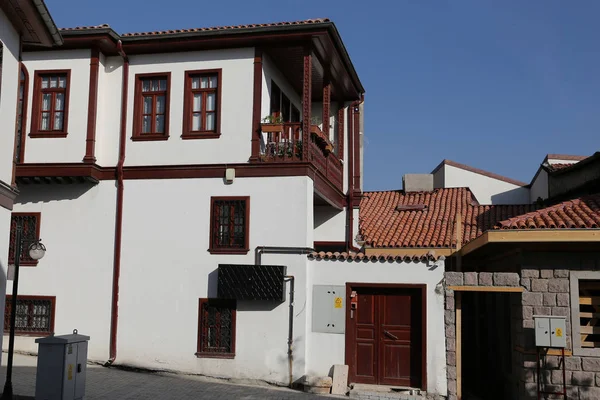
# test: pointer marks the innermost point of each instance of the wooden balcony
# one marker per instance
(283, 143)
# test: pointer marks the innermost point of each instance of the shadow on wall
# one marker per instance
(323, 214)
(45, 193)
(514, 196)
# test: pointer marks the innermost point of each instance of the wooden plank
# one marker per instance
(589, 330)
(589, 315)
(589, 300)
(503, 289)
(458, 319)
(590, 344)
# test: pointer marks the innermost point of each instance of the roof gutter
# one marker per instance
(114, 316)
(48, 21)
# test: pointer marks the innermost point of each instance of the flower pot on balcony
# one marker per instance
(267, 128)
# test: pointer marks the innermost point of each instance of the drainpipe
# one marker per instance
(353, 123)
(114, 317)
(285, 250)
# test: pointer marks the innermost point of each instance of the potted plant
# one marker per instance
(272, 123)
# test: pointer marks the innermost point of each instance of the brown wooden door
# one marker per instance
(386, 331)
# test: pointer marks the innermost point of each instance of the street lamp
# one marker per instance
(36, 252)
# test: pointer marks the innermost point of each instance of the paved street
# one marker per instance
(111, 383)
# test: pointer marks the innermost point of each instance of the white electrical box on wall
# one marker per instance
(550, 331)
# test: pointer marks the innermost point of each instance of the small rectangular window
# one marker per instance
(30, 223)
(50, 103)
(229, 225)
(202, 104)
(151, 115)
(216, 328)
(34, 317)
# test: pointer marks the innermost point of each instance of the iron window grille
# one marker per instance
(589, 313)
(35, 315)
(216, 328)
(31, 231)
(229, 225)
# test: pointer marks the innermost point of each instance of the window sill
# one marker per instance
(148, 138)
(24, 263)
(227, 356)
(200, 135)
(228, 251)
(30, 334)
(48, 134)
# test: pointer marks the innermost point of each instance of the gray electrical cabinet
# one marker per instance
(329, 309)
(550, 331)
(61, 367)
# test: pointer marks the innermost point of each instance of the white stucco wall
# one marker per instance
(539, 187)
(325, 349)
(108, 118)
(77, 228)
(236, 109)
(166, 268)
(71, 148)
(9, 39)
(487, 190)
(330, 224)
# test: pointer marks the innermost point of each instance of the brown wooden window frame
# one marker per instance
(36, 111)
(50, 331)
(22, 113)
(26, 261)
(214, 248)
(188, 133)
(137, 134)
(201, 350)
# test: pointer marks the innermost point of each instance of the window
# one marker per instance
(202, 107)
(21, 113)
(281, 106)
(585, 312)
(31, 231)
(151, 114)
(35, 315)
(216, 328)
(50, 103)
(229, 225)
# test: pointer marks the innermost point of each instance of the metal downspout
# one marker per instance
(114, 317)
(258, 261)
(352, 125)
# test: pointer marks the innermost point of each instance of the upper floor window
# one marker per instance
(202, 107)
(30, 223)
(281, 106)
(229, 225)
(35, 315)
(151, 112)
(21, 113)
(50, 103)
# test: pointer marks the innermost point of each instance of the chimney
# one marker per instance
(417, 183)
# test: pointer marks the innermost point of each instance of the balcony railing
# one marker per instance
(283, 143)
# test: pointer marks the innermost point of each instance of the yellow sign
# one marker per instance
(558, 332)
(338, 302)
(70, 372)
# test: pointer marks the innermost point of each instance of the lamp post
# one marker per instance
(36, 252)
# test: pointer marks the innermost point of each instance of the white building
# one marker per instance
(149, 169)
(22, 23)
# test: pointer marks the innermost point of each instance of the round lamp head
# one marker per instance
(37, 250)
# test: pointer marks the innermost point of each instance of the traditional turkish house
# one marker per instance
(22, 23)
(505, 263)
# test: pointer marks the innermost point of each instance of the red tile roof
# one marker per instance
(581, 213)
(479, 171)
(557, 166)
(85, 28)
(361, 257)
(568, 157)
(232, 27)
(391, 220)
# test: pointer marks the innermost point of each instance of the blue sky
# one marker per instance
(492, 84)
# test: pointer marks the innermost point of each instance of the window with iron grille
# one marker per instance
(31, 231)
(229, 225)
(216, 328)
(589, 313)
(35, 315)
(50, 103)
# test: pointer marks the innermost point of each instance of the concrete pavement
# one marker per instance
(112, 383)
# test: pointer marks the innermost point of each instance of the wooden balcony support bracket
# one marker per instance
(326, 105)
(90, 141)
(306, 101)
(256, 105)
